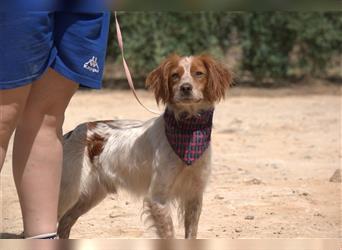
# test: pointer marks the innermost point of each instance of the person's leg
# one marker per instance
(12, 103)
(38, 153)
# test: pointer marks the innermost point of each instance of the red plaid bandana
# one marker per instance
(189, 137)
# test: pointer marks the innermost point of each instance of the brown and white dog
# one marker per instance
(102, 157)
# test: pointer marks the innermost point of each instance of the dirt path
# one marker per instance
(274, 152)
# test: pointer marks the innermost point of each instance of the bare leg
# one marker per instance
(12, 104)
(192, 209)
(37, 152)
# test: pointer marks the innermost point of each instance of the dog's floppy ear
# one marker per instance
(158, 79)
(219, 79)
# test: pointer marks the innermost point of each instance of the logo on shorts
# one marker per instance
(92, 65)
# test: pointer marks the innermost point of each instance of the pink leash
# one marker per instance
(127, 72)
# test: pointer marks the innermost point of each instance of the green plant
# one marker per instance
(267, 39)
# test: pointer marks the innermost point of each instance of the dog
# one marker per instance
(166, 160)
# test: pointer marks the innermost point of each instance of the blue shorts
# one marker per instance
(73, 44)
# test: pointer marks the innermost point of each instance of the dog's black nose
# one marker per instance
(186, 88)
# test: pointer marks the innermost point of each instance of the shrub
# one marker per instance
(267, 39)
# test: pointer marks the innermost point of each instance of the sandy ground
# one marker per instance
(274, 152)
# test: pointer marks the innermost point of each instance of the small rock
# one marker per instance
(336, 177)
(274, 165)
(249, 217)
(305, 194)
(218, 197)
(238, 121)
(317, 214)
(126, 203)
(229, 131)
(112, 197)
(114, 216)
(254, 181)
(238, 230)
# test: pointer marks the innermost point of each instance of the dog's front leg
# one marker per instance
(192, 212)
(161, 217)
(157, 202)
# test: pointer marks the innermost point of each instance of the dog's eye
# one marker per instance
(175, 76)
(199, 73)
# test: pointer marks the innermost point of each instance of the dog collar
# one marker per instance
(189, 137)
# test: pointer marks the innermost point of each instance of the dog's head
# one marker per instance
(189, 81)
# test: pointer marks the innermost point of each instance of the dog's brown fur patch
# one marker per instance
(92, 125)
(95, 142)
(159, 79)
(219, 78)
